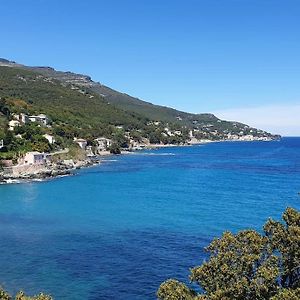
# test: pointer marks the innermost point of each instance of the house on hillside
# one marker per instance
(12, 124)
(81, 142)
(1, 144)
(103, 143)
(22, 118)
(41, 119)
(34, 158)
(177, 132)
(50, 138)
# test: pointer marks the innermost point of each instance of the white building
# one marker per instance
(103, 143)
(1, 144)
(81, 142)
(50, 138)
(168, 131)
(22, 118)
(41, 119)
(34, 158)
(12, 124)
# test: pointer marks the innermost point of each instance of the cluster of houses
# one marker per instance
(22, 119)
(169, 132)
(248, 137)
(103, 144)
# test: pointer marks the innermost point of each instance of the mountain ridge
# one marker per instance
(120, 99)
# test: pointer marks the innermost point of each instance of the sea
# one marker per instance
(119, 229)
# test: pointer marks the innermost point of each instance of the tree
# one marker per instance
(247, 265)
(285, 238)
(174, 290)
(115, 149)
(120, 139)
(287, 294)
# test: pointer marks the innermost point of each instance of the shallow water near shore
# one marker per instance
(117, 230)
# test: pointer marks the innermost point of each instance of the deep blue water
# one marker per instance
(116, 231)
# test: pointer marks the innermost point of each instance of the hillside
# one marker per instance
(124, 101)
(62, 102)
(81, 108)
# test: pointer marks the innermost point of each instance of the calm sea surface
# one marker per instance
(116, 231)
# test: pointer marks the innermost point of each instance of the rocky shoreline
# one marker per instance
(68, 168)
(47, 172)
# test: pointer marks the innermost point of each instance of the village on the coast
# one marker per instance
(35, 164)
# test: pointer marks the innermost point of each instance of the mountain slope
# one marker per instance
(124, 101)
(75, 100)
(61, 103)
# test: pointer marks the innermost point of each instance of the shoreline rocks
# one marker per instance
(68, 167)
(48, 172)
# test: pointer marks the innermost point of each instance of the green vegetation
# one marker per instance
(247, 265)
(73, 113)
(81, 108)
(150, 111)
(21, 296)
(23, 139)
(81, 113)
(124, 101)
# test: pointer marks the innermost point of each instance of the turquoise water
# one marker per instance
(116, 231)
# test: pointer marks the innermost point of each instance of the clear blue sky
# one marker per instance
(195, 55)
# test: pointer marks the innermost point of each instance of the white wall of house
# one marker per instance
(34, 158)
(103, 143)
(42, 119)
(50, 138)
(82, 143)
(12, 124)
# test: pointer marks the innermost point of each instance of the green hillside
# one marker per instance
(124, 101)
(204, 122)
(81, 108)
(62, 104)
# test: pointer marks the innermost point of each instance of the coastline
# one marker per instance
(58, 170)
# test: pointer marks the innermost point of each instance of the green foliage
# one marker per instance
(175, 290)
(119, 139)
(285, 238)
(239, 267)
(82, 111)
(136, 135)
(79, 107)
(4, 295)
(31, 140)
(64, 105)
(287, 294)
(155, 137)
(248, 265)
(21, 296)
(115, 148)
